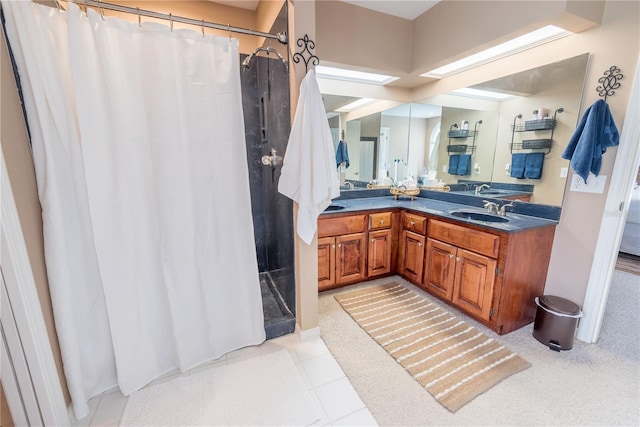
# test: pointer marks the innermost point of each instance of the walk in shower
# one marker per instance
(265, 101)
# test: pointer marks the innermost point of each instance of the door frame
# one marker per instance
(38, 375)
(613, 219)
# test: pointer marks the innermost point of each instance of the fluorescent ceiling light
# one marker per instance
(480, 93)
(352, 76)
(355, 104)
(526, 41)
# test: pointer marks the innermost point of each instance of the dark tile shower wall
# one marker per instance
(265, 98)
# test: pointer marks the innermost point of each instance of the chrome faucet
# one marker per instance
(348, 185)
(503, 209)
(480, 187)
(492, 207)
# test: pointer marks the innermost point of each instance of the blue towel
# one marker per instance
(453, 164)
(533, 165)
(595, 132)
(464, 164)
(518, 161)
(342, 154)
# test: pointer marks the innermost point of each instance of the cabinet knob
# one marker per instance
(419, 244)
(382, 221)
(450, 256)
(333, 246)
(457, 258)
(373, 240)
(339, 245)
(412, 223)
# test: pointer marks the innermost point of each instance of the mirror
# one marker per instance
(410, 139)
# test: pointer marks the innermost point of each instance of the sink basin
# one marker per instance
(479, 216)
(333, 208)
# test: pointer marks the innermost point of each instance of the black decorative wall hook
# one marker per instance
(301, 56)
(610, 81)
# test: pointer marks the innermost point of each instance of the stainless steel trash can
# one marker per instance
(556, 321)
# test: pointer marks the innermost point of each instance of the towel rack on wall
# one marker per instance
(545, 124)
(459, 134)
(307, 44)
(610, 81)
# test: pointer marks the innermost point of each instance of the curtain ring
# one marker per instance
(171, 21)
(101, 11)
(139, 18)
(203, 28)
(229, 30)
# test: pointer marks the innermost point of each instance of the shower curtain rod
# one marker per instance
(281, 37)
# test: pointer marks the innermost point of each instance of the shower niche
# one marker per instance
(265, 99)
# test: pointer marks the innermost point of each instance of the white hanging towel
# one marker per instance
(309, 174)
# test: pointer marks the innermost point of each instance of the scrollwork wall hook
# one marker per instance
(307, 57)
(610, 81)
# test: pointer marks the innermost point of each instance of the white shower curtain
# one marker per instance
(138, 142)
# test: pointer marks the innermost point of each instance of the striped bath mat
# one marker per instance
(452, 360)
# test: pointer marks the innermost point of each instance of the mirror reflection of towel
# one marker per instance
(517, 165)
(464, 164)
(533, 165)
(454, 160)
(342, 154)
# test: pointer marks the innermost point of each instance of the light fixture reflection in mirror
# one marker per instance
(555, 85)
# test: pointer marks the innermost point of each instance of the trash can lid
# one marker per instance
(559, 305)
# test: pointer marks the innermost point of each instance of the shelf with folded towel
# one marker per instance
(460, 148)
(533, 144)
(542, 125)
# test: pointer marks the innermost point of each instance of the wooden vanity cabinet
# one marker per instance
(326, 262)
(494, 277)
(411, 247)
(380, 245)
(342, 248)
(462, 277)
(353, 248)
(522, 198)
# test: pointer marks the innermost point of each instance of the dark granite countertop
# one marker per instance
(440, 208)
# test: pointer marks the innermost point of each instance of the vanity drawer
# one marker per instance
(466, 238)
(342, 225)
(378, 221)
(415, 223)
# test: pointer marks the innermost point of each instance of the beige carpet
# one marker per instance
(452, 360)
(590, 385)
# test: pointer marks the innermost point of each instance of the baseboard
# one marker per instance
(307, 334)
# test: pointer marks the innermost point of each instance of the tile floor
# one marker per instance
(325, 380)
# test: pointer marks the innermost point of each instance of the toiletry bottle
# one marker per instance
(534, 115)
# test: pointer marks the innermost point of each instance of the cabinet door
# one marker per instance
(326, 262)
(440, 268)
(473, 287)
(411, 258)
(379, 253)
(350, 257)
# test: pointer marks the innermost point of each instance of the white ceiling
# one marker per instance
(243, 4)
(407, 9)
(401, 8)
